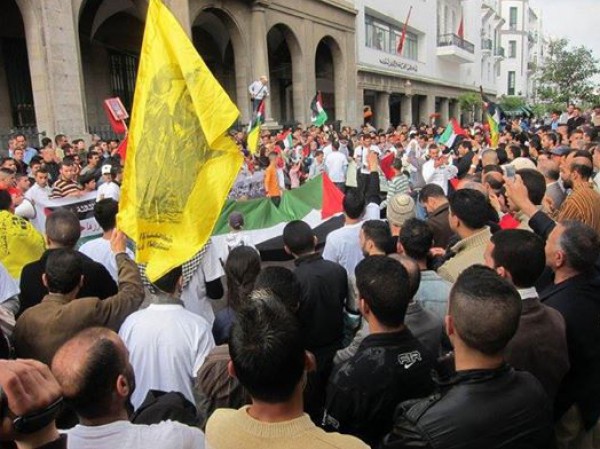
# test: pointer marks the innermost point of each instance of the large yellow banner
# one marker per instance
(181, 164)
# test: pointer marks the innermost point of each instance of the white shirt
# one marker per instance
(99, 251)
(194, 293)
(167, 346)
(362, 154)
(327, 150)
(336, 164)
(8, 286)
(258, 90)
(36, 192)
(109, 190)
(440, 175)
(123, 434)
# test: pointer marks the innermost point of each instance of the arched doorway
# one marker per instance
(280, 75)
(110, 39)
(16, 96)
(330, 76)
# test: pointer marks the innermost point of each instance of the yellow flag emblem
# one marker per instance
(20, 243)
(181, 163)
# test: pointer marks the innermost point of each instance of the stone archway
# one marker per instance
(330, 76)
(285, 75)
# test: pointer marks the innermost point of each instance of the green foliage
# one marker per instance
(511, 103)
(567, 73)
(469, 100)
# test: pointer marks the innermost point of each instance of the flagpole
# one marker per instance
(400, 48)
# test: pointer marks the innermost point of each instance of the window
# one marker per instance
(512, 22)
(512, 49)
(123, 73)
(511, 82)
(385, 37)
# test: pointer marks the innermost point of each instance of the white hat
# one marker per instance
(106, 169)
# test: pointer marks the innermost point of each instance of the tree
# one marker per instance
(511, 103)
(567, 73)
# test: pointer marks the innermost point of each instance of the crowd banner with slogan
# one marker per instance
(82, 206)
(181, 163)
(492, 112)
(254, 127)
(318, 202)
(20, 243)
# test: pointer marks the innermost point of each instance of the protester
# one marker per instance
(436, 204)
(65, 185)
(109, 188)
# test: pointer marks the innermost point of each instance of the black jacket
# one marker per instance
(97, 281)
(364, 391)
(477, 409)
(578, 301)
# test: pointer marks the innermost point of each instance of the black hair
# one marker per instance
(379, 233)
(5, 200)
(502, 156)
(431, 191)
(553, 137)
(299, 237)
(471, 207)
(515, 150)
(485, 309)
(168, 282)
(283, 283)
(416, 238)
(267, 349)
(581, 245)
(521, 253)
(63, 228)
(241, 269)
(535, 183)
(467, 144)
(105, 213)
(354, 204)
(64, 268)
(384, 285)
(492, 169)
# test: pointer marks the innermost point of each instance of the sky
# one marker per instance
(577, 20)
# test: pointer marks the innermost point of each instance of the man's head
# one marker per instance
(299, 238)
(267, 350)
(465, 147)
(375, 238)
(62, 229)
(412, 269)
(19, 154)
(416, 239)
(572, 246)
(353, 204)
(483, 312)
(264, 80)
(20, 141)
(9, 164)
(6, 202)
(105, 213)
(489, 157)
(64, 272)
(41, 177)
(7, 178)
(400, 208)
(67, 169)
(61, 141)
(548, 168)
(22, 182)
(517, 255)
(431, 197)
(383, 289)
(95, 375)
(319, 155)
(549, 141)
(283, 283)
(468, 211)
(171, 282)
(93, 158)
(536, 187)
(576, 169)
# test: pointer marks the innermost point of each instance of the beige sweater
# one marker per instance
(469, 252)
(236, 429)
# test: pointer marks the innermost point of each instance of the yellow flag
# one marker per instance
(180, 162)
(20, 243)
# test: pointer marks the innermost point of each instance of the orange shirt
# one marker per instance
(271, 182)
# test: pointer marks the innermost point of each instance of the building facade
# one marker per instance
(444, 56)
(60, 59)
(522, 37)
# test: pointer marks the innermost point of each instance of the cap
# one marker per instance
(236, 220)
(560, 151)
(106, 169)
(400, 209)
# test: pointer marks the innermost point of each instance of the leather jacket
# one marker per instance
(491, 409)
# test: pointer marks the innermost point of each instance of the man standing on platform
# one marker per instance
(258, 91)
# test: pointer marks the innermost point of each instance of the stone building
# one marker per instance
(59, 59)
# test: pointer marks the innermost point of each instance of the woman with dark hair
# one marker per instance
(241, 269)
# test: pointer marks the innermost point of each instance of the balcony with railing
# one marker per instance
(499, 52)
(486, 46)
(454, 48)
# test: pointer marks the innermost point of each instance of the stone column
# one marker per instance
(478, 113)
(55, 65)
(427, 107)
(382, 110)
(444, 111)
(406, 109)
(260, 51)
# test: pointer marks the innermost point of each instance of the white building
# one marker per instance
(522, 37)
(436, 66)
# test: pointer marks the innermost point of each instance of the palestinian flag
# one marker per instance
(452, 131)
(492, 112)
(318, 202)
(318, 114)
(287, 140)
(254, 127)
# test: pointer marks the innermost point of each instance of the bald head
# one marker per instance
(88, 368)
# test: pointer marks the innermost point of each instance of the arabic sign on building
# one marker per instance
(397, 64)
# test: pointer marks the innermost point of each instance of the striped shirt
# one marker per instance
(399, 184)
(63, 188)
(582, 205)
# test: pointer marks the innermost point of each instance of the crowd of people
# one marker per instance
(457, 307)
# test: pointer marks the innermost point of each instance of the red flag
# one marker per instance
(116, 113)
(332, 198)
(461, 28)
(386, 166)
(403, 36)
(122, 149)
